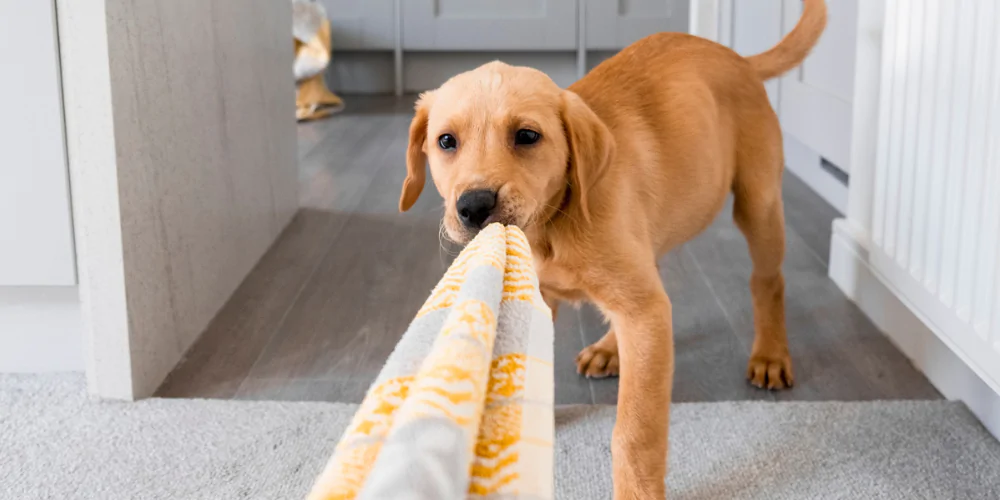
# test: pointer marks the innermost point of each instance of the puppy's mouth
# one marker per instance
(475, 209)
(462, 233)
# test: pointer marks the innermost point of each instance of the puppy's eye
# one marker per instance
(525, 137)
(447, 142)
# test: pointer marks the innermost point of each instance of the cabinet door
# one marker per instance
(816, 97)
(755, 27)
(615, 24)
(489, 24)
(36, 232)
(361, 24)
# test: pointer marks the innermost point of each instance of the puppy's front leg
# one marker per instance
(640, 314)
(551, 302)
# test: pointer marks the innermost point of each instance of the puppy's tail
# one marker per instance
(793, 49)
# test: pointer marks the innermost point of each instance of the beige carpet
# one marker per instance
(55, 444)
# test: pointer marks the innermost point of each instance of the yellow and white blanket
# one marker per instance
(463, 408)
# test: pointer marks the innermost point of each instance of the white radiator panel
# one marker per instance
(936, 214)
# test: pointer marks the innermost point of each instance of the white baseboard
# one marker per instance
(946, 371)
(40, 330)
(806, 165)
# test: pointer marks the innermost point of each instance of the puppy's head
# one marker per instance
(504, 144)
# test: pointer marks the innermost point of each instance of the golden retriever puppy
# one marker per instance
(608, 175)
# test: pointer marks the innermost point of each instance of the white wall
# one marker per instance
(39, 310)
(181, 141)
(36, 236)
(40, 330)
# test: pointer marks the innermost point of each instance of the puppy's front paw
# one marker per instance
(598, 361)
(771, 371)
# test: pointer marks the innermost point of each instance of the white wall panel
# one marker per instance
(936, 211)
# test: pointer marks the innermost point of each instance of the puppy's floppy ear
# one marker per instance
(416, 156)
(591, 147)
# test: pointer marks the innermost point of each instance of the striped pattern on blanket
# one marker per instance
(463, 407)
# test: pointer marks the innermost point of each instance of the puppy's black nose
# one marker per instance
(474, 207)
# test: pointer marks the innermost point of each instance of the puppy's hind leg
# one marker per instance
(600, 359)
(759, 214)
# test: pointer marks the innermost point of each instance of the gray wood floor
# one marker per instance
(320, 313)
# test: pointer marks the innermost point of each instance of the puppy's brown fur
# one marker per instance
(635, 159)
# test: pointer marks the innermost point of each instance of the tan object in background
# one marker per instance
(311, 29)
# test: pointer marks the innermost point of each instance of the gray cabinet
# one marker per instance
(362, 24)
(444, 35)
(462, 25)
(614, 24)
